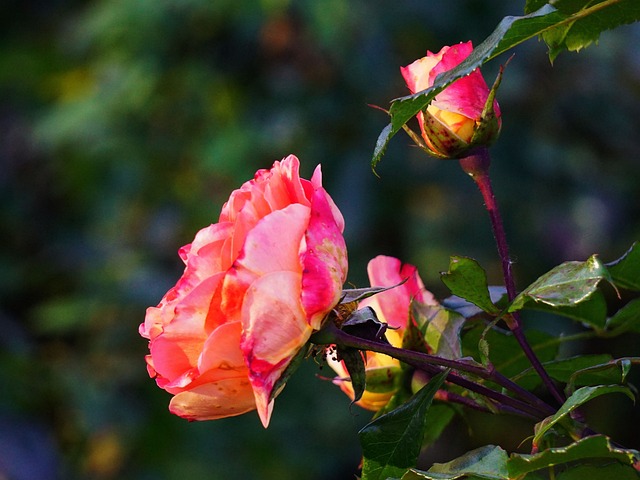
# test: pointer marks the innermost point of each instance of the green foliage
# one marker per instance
(503, 350)
(391, 443)
(589, 449)
(612, 371)
(441, 329)
(493, 463)
(585, 21)
(439, 416)
(567, 370)
(565, 285)
(489, 462)
(624, 271)
(468, 280)
(627, 319)
(606, 471)
(579, 397)
(591, 312)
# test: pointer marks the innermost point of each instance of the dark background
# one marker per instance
(124, 126)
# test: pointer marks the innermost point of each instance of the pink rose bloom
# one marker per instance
(394, 308)
(255, 287)
(454, 117)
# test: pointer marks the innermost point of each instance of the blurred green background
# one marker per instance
(124, 126)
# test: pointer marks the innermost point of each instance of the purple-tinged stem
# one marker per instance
(529, 405)
(476, 165)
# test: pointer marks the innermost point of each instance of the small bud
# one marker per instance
(464, 115)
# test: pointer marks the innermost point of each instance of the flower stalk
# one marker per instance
(527, 404)
(476, 165)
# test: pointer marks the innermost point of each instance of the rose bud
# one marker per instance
(461, 116)
(255, 287)
(392, 307)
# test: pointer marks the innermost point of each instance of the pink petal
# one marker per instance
(222, 351)
(467, 95)
(393, 305)
(416, 75)
(202, 260)
(272, 245)
(176, 349)
(325, 260)
(275, 328)
(415, 287)
(286, 181)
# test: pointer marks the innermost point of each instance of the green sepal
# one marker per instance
(295, 362)
(350, 295)
(488, 128)
(354, 361)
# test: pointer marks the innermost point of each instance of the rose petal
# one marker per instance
(222, 349)
(226, 398)
(272, 245)
(275, 328)
(325, 260)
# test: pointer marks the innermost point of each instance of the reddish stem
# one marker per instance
(476, 165)
(528, 404)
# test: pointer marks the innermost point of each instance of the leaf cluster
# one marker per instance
(466, 326)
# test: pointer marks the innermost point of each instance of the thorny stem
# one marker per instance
(528, 405)
(476, 165)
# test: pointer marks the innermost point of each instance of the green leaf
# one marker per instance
(488, 462)
(381, 144)
(589, 448)
(612, 371)
(383, 379)
(468, 280)
(510, 32)
(627, 318)
(579, 397)
(413, 337)
(586, 19)
(497, 294)
(591, 312)
(442, 329)
(625, 272)
(565, 285)
(563, 370)
(391, 443)
(438, 417)
(610, 471)
(504, 351)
